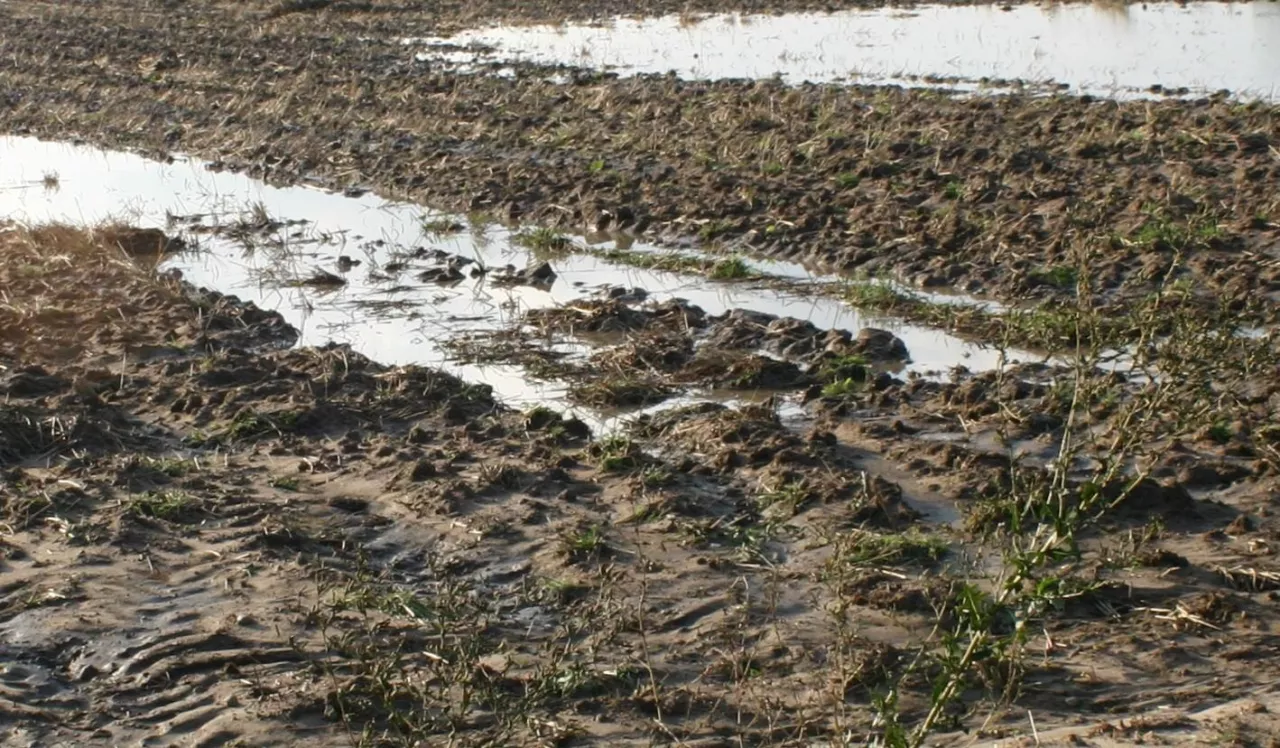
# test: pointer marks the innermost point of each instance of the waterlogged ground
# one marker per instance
(990, 196)
(692, 413)
(1105, 49)
(349, 269)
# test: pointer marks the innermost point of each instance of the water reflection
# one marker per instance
(394, 320)
(1103, 48)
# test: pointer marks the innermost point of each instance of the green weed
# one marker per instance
(286, 483)
(731, 268)
(544, 241)
(584, 543)
(616, 454)
(843, 388)
(442, 226)
(847, 180)
(911, 548)
(1060, 276)
(165, 505)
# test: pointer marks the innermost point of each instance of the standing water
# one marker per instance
(391, 317)
(1101, 48)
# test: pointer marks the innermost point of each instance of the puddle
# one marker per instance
(1101, 48)
(394, 320)
(801, 274)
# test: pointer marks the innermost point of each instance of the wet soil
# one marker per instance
(1006, 197)
(208, 537)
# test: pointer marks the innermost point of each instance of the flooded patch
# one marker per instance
(1101, 48)
(390, 279)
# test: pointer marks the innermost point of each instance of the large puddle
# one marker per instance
(392, 318)
(1106, 48)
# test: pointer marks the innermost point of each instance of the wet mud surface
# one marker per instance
(1004, 197)
(803, 526)
(211, 537)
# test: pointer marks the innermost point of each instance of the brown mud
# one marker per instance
(210, 537)
(1006, 197)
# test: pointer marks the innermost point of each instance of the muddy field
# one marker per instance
(993, 196)
(1004, 474)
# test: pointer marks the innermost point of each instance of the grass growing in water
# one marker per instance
(1050, 327)
(544, 242)
(732, 268)
(442, 226)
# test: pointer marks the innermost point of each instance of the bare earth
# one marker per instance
(211, 537)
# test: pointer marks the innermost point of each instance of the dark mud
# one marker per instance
(1007, 197)
(645, 353)
(209, 536)
(224, 540)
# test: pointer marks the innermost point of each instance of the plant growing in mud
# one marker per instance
(1179, 367)
(1162, 230)
(409, 665)
(617, 454)
(165, 505)
(411, 660)
(584, 543)
(251, 425)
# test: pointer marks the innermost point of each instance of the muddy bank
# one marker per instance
(210, 537)
(1008, 197)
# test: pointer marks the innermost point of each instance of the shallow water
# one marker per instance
(1102, 48)
(89, 186)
